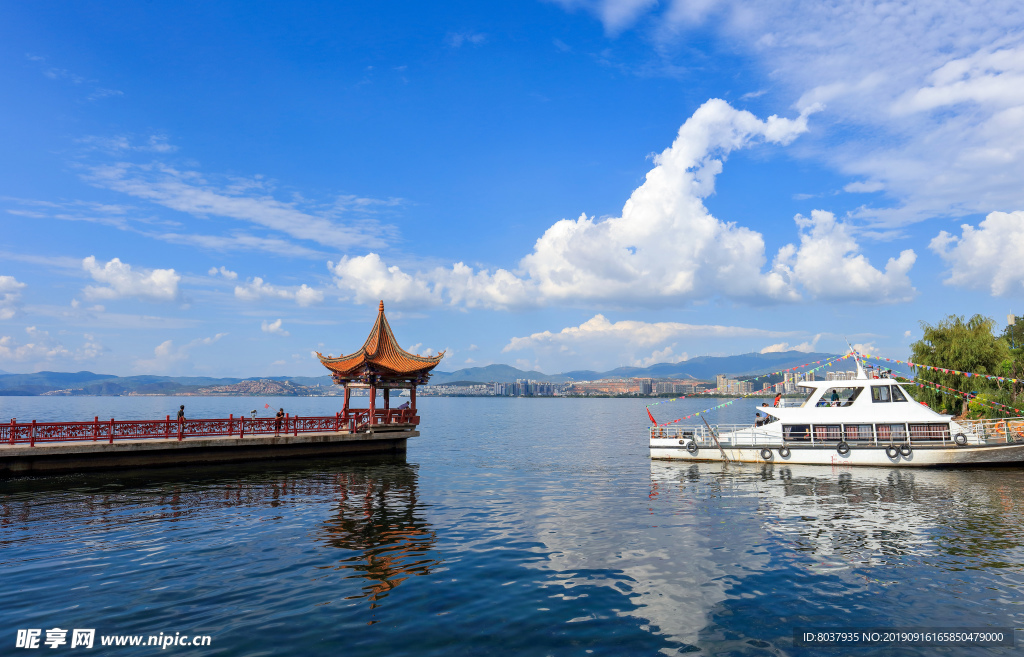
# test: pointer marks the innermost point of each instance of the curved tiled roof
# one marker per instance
(381, 354)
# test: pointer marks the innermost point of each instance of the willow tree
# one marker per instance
(956, 344)
(1013, 366)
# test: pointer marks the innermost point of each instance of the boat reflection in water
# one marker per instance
(377, 520)
(844, 518)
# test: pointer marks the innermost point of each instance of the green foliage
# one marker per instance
(1013, 365)
(979, 407)
(956, 344)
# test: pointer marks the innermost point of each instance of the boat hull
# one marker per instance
(874, 456)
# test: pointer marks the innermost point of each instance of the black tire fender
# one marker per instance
(906, 450)
(691, 447)
(843, 448)
(960, 439)
(892, 451)
(784, 452)
(766, 454)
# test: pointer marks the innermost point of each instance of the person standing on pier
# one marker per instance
(181, 421)
(277, 421)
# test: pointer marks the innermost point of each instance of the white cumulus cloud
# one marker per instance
(256, 289)
(828, 265)
(611, 344)
(806, 347)
(987, 257)
(665, 246)
(121, 281)
(223, 271)
(10, 294)
(666, 355)
(641, 334)
(369, 279)
(274, 328)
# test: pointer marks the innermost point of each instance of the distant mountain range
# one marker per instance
(705, 368)
(89, 383)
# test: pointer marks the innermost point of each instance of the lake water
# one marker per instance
(511, 527)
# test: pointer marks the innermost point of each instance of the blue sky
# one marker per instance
(223, 188)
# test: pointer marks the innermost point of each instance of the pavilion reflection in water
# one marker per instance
(367, 513)
(378, 522)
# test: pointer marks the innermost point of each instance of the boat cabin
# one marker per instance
(875, 408)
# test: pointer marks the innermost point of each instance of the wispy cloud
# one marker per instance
(41, 348)
(239, 242)
(154, 143)
(458, 39)
(64, 75)
(750, 95)
(166, 354)
(934, 92)
(242, 199)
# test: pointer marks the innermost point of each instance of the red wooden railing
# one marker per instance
(30, 433)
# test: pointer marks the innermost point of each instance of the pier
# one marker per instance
(41, 447)
(44, 447)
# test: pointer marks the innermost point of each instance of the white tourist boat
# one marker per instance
(868, 420)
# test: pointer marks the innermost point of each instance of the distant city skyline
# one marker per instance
(222, 189)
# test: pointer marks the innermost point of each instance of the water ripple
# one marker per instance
(512, 527)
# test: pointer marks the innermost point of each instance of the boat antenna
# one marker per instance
(856, 357)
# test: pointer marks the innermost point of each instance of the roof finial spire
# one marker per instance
(381, 308)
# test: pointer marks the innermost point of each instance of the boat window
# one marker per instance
(930, 431)
(858, 431)
(827, 432)
(796, 431)
(839, 396)
(897, 394)
(891, 432)
(806, 392)
(880, 393)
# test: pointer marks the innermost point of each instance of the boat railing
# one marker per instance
(729, 435)
(975, 432)
(1004, 430)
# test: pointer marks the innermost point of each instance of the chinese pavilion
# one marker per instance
(381, 363)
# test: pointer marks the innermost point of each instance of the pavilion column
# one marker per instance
(412, 399)
(373, 404)
(344, 410)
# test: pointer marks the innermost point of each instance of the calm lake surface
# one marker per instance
(511, 527)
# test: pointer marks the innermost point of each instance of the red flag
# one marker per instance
(653, 421)
(266, 406)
